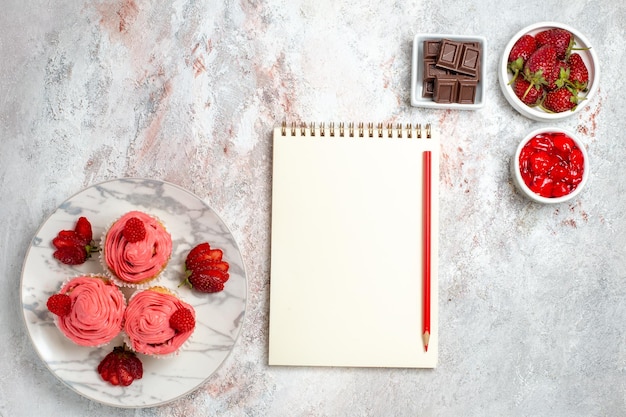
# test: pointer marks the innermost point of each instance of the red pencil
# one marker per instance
(426, 247)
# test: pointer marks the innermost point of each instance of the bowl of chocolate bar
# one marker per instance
(448, 71)
(548, 71)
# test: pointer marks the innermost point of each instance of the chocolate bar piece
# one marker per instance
(469, 60)
(460, 57)
(467, 90)
(449, 54)
(431, 49)
(451, 71)
(446, 89)
(428, 87)
(454, 88)
(431, 70)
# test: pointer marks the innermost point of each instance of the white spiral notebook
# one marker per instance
(347, 246)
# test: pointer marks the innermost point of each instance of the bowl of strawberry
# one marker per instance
(550, 165)
(548, 71)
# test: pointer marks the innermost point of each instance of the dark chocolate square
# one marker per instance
(446, 89)
(449, 54)
(469, 61)
(428, 87)
(431, 70)
(431, 49)
(467, 90)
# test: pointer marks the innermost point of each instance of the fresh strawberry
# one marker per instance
(529, 94)
(219, 271)
(83, 229)
(559, 76)
(74, 247)
(202, 254)
(203, 282)
(68, 238)
(183, 320)
(197, 251)
(578, 73)
(560, 100)
(205, 270)
(134, 230)
(520, 52)
(561, 39)
(120, 367)
(210, 264)
(210, 256)
(538, 70)
(71, 255)
(59, 304)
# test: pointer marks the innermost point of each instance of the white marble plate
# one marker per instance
(219, 316)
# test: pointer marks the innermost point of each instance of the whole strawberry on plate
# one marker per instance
(530, 95)
(560, 100)
(561, 39)
(121, 367)
(539, 68)
(521, 51)
(205, 270)
(578, 73)
(74, 247)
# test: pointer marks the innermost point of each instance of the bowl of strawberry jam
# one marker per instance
(550, 165)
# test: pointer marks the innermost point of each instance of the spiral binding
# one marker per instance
(360, 130)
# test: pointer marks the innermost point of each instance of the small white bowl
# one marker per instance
(519, 181)
(588, 56)
(417, 72)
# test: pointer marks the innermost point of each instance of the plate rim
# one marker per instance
(36, 349)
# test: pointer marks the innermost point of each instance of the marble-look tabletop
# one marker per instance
(532, 307)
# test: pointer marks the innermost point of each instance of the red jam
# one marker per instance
(551, 164)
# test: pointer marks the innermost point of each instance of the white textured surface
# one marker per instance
(531, 297)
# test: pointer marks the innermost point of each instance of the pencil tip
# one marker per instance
(426, 338)
(426, 348)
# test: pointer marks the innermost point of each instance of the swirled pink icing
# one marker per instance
(137, 262)
(147, 323)
(97, 311)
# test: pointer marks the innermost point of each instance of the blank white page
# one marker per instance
(346, 256)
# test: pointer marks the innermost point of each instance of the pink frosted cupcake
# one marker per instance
(89, 310)
(157, 322)
(136, 249)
